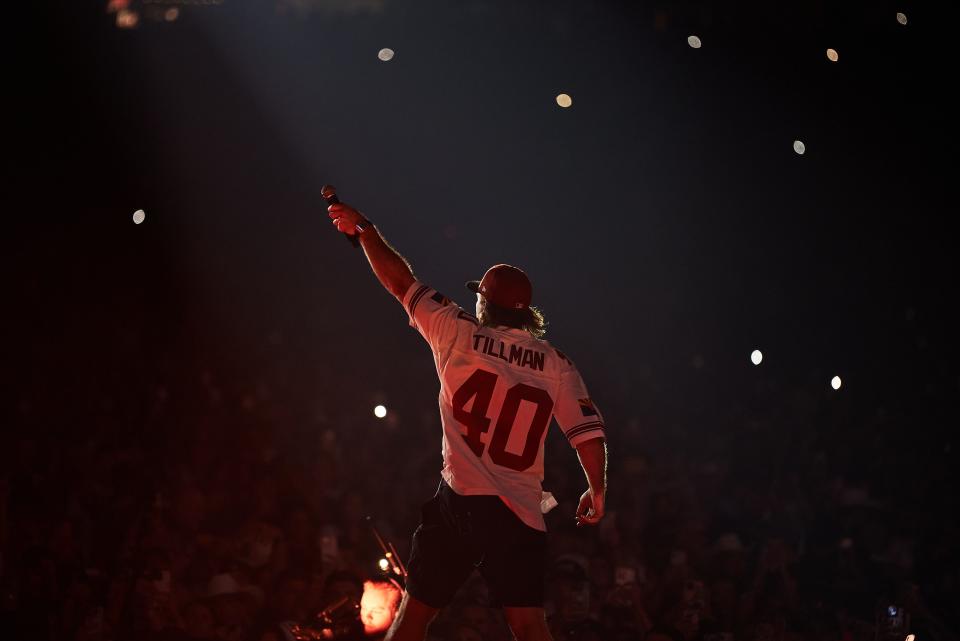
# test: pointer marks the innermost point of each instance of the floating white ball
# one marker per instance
(385, 54)
(139, 216)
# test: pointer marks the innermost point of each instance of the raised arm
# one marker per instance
(593, 459)
(392, 270)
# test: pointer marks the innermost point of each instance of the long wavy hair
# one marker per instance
(530, 319)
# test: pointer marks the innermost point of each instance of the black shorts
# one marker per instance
(459, 533)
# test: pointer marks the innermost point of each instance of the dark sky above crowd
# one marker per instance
(665, 219)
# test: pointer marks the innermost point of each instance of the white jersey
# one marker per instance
(499, 388)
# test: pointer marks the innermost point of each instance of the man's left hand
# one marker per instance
(591, 508)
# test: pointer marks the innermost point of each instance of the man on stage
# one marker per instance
(500, 385)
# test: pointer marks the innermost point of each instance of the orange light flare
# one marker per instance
(114, 6)
(378, 606)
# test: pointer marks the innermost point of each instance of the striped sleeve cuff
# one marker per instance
(585, 432)
(414, 295)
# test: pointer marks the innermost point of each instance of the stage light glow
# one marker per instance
(835, 382)
(384, 564)
(694, 42)
(379, 411)
(139, 216)
(171, 14)
(832, 55)
(564, 100)
(902, 19)
(799, 147)
(756, 357)
(127, 19)
(385, 54)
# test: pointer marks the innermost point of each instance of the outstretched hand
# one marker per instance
(345, 218)
(591, 508)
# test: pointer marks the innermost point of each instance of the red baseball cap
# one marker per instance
(505, 286)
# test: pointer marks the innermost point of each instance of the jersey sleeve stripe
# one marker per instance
(598, 429)
(415, 295)
(583, 428)
(587, 424)
(416, 298)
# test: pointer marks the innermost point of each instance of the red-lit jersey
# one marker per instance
(499, 388)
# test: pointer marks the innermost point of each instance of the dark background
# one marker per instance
(667, 224)
(665, 220)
